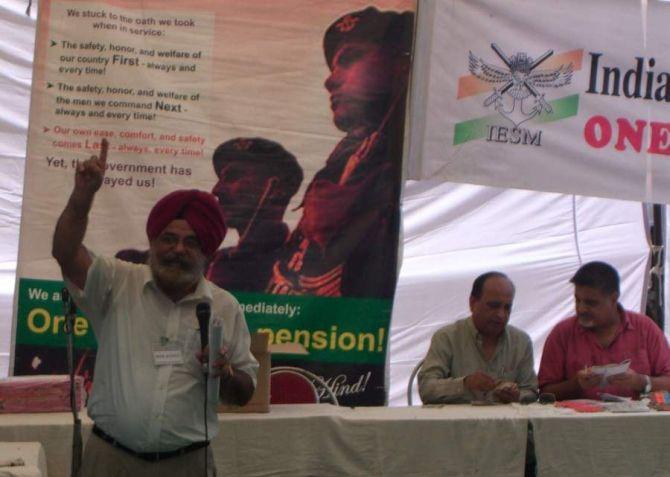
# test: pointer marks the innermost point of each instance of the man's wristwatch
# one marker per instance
(647, 384)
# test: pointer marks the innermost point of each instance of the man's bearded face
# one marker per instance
(176, 258)
(595, 308)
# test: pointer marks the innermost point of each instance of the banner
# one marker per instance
(291, 113)
(561, 96)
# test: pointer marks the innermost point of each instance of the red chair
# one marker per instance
(290, 385)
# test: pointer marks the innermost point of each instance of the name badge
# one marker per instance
(168, 354)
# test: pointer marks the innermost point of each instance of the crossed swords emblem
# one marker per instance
(522, 81)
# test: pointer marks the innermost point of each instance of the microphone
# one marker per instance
(65, 295)
(70, 308)
(203, 312)
(70, 305)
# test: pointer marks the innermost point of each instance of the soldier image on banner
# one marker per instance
(257, 178)
(346, 241)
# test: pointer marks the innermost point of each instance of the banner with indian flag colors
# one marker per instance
(561, 96)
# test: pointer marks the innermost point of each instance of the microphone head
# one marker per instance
(203, 310)
(68, 303)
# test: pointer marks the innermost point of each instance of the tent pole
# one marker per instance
(655, 294)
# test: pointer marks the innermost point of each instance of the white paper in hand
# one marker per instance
(613, 369)
(607, 370)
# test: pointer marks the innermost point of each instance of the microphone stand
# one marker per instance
(70, 311)
(203, 312)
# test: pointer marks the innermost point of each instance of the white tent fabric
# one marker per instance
(16, 56)
(451, 234)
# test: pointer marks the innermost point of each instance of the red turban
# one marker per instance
(201, 211)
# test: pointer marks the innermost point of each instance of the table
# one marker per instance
(324, 440)
(52, 430)
(600, 444)
(32, 453)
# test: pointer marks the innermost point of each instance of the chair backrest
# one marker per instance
(292, 385)
(289, 387)
(410, 384)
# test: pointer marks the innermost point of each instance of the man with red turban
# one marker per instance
(149, 388)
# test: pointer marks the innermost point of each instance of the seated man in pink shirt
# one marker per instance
(602, 333)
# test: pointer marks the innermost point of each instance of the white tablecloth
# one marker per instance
(323, 440)
(600, 444)
(457, 440)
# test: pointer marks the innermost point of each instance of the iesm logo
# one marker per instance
(520, 81)
(515, 87)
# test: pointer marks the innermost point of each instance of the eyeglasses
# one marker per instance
(171, 240)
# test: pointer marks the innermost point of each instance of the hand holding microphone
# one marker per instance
(221, 366)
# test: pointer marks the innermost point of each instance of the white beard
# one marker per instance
(175, 275)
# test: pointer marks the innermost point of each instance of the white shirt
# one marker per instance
(149, 407)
